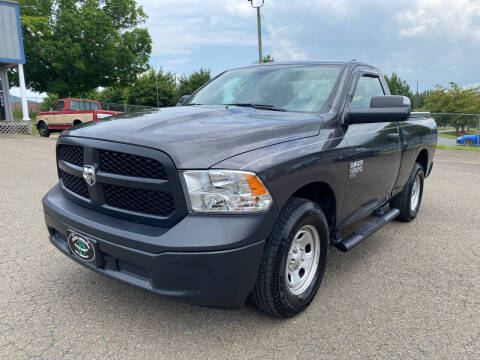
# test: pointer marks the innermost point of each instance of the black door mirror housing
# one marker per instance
(382, 109)
(182, 99)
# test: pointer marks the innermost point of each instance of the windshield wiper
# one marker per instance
(192, 104)
(258, 106)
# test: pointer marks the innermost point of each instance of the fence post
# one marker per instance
(478, 132)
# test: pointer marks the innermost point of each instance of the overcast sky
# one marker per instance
(429, 41)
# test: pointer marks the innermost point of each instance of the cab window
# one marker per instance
(75, 105)
(82, 105)
(59, 106)
(367, 88)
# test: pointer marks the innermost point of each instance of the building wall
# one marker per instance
(11, 49)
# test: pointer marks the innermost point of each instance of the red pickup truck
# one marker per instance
(69, 112)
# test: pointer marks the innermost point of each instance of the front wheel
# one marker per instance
(468, 142)
(409, 199)
(294, 260)
(43, 130)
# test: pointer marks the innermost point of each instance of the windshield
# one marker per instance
(294, 88)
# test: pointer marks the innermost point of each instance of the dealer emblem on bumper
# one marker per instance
(81, 247)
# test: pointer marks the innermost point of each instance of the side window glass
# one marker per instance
(59, 106)
(93, 105)
(74, 105)
(367, 88)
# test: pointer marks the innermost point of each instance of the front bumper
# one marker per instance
(206, 260)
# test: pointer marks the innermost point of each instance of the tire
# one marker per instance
(468, 142)
(43, 130)
(403, 201)
(274, 291)
(76, 122)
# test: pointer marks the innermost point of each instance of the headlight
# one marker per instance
(226, 191)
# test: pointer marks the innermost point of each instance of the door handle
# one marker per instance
(393, 136)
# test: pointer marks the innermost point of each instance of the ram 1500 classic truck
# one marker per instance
(70, 112)
(240, 190)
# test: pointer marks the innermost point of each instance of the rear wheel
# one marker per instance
(294, 260)
(43, 130)
(468, 142)
(409, 199)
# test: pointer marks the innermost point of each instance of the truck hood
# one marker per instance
(198, 137)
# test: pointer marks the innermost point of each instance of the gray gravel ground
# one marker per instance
(410, 291)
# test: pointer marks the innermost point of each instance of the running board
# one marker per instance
(366, 230)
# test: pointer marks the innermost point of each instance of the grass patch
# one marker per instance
(453, 134)
(17, 114)
(34, 128)
(464, 148)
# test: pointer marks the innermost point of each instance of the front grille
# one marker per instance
(139, 200)
(132, 182)
(75, 184)
(70, 154)
(131, 165)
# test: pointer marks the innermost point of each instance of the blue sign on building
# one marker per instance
(11, 44)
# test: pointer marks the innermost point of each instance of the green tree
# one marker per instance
(266, 59)
(399, 86)
(73, 47)
(114, 95)
(144, 90)
(454, 99)
(189, 84)
(48, 102)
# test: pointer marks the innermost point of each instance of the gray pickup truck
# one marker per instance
(240, 190)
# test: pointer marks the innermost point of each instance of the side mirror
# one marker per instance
(382, 109)
(182, 99)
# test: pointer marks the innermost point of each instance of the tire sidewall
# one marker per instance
(418, 170)
(305, 215)
(43, 130)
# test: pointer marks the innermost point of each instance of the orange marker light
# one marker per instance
(255, 185)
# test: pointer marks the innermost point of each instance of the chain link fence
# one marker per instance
(456, 129)
(37, 104)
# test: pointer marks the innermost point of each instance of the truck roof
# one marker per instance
(350, 63)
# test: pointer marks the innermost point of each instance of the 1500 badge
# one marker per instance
(356, 167)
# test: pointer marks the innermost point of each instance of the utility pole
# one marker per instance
(257, 4)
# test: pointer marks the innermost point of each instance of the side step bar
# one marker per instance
(366, 230)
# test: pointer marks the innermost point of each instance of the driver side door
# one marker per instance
(374, 147)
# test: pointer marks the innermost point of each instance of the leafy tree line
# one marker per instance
(452, 99)
(399, 86)
(152, 88)
(155, 88)
(458, 100)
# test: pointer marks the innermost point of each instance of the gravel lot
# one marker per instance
(410, 291)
